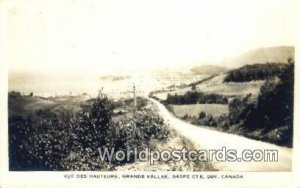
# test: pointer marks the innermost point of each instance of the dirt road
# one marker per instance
(209, 139)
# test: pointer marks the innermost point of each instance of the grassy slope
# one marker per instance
(25, 105)
(194, 109)
(216, 85)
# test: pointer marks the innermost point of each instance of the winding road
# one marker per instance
(204, 138)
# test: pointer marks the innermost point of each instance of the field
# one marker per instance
(24, 105)
(193, 110)
(216, 85)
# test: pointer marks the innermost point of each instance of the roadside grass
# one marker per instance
(193, 110)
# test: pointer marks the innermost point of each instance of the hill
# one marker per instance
(255, 72)
(23, 105)
(278, 54)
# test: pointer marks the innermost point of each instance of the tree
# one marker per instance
(94, 121)
(274, 108)
(201, 115)
(194, 87)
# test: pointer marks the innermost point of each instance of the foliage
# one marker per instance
(273, 110)
(237, 108)
(205, 120)
(46, 140)
(268, 118)
(38, 142)
(255, 72)
(194, 97)
(136, 132)
(14, 94)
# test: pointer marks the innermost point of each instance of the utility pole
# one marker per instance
(134, 99)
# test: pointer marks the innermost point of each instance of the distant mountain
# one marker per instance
(209, 69)
(279, 54)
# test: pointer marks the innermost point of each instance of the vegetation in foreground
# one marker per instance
(69, 140)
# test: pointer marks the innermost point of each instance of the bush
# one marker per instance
(135, 132)
(206, 120)
(93, 123)
(237, 109)
(201, 115)
(38, 142)
(223, 122)
(69, 141)
(186, 117)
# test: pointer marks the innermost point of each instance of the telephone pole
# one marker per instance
(134, 99)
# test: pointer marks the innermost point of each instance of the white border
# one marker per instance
(56, 179)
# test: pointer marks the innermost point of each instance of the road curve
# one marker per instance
(205, 138)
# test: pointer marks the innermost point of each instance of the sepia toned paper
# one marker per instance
(178, 93)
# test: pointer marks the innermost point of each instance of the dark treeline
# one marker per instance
(194, 97)
(273, 110)
(255, 72)
(194, 84)
(270, 118)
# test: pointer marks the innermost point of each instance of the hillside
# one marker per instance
(262, 55)
(255, 72)
(19, 105)
(259, 98)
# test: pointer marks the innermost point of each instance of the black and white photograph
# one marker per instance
(134, 87)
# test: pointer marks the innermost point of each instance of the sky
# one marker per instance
(119, 35)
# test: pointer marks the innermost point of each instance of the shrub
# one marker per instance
(201, 115)
(206, 120)
(223, 122)
(69, 141)
(237, 108)
(38, 142)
